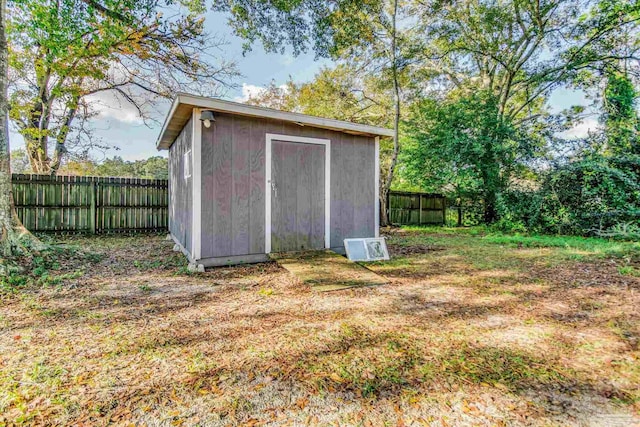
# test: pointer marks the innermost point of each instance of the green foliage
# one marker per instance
(155, 167)
(486, 129)
(152, 168)
(462, 146)
(620, 116)
(68, 56)
(326, 27)
(339, 93)
(49, 267)
(587, 196)
(590, 195)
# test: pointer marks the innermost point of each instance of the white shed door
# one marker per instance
(297, 196)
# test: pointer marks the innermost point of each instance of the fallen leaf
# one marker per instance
(337, 378)
(302, 402)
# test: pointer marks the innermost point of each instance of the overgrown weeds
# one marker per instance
(54, 265)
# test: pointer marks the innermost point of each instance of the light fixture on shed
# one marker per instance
(206, 117)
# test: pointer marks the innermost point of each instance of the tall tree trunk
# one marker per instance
(6, 211)
(386, 185)
(490, 209)
(490, 175)
(61, 138)
(12, 232)
(38, 158)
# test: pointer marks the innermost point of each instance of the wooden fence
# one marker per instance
(90, 204)
(114, 205)
(416, 208)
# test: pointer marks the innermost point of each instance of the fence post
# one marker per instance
(387, 206)
(420, 211)
(444, 211)
(93, 189)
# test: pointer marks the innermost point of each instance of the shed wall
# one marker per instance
(233, 184)
(180, 189)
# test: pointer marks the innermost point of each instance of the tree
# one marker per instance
(518, 51)
(6, 209)
(279, 97)
(372, 35)
(620, 116)
(155, 167)
(345, 93)
(13, 235)
(68, 56)
(339, 93)
(453, 146)
(80, 166)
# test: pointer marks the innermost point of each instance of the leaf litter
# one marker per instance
(472, 334)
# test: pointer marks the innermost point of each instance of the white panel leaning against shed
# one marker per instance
(270, 137)
(189, 107)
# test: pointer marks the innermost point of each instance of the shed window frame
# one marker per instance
(187, 164)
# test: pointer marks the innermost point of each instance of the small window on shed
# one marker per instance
(187, 164)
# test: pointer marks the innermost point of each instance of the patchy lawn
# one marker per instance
(472, 330)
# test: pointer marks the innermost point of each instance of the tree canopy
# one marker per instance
(473, 79)
(155, 167)
(65, 56)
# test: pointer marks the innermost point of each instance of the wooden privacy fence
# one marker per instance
(90, 204)
(416, 208)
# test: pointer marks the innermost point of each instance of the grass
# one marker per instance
(475, 328)
(592, 245)
(55, 265)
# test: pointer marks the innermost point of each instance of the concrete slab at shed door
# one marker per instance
(326, 270)
(297, 196)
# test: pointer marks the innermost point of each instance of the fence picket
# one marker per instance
(416, 208)
(90, 204)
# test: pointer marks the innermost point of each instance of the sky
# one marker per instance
(119, 126)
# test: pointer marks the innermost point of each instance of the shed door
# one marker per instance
(297, 196)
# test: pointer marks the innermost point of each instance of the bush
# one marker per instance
(593, 196)
(519, 211)
(589, 196)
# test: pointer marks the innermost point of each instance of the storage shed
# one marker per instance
(245, 181)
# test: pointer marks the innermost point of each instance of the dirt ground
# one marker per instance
(471, 330)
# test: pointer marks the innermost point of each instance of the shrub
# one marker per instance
(588, 196)
(592, 196)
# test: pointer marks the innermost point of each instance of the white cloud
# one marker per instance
(110, 107)
(251, 91)
(287, 59)
(581, 130)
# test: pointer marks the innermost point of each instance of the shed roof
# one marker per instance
(183, 104)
